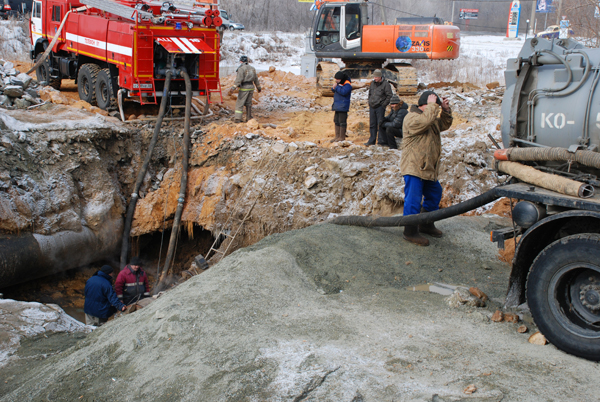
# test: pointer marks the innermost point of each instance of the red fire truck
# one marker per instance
(124, 49)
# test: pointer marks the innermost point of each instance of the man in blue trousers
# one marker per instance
(420, 163)
(101, 300)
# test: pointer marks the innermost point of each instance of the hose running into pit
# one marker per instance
(587, 158)
(142, 172)
(184, 176)
(428, 217)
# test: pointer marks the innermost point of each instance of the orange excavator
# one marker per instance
(342, 30)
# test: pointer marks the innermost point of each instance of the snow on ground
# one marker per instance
(20, 320)
(482, 57)
(14, 41)
(482, 60)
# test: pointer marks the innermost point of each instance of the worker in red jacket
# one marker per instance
(132, 282)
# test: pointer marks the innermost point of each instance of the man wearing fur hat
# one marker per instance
(101, 301)
(420, 162)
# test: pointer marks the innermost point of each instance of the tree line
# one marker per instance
(295, 16)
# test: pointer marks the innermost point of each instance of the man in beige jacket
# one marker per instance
(420, 162)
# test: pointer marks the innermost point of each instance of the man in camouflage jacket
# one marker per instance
(245, 80)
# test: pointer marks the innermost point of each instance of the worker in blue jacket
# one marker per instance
(342, 90)
(101, 300)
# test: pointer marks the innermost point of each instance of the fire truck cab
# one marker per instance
(107, 47)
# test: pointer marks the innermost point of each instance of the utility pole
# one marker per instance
(383, 12)
(453, 3)
(532, 19)
(559, 11)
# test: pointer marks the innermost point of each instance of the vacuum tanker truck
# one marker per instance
(551, 137)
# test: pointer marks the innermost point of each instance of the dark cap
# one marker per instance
(107, 269)
(425, 95)
(136, 261)
(377, 73)
(244, 59)
(339, 75)
(395, 100)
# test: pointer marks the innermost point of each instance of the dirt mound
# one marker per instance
(323, 313)
(454, 84)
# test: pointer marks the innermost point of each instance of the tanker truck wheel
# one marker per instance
(105, 95)
(43, 73)
(563, 293)
(86, 82)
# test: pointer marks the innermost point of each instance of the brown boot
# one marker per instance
(430, 229)
(337, 134)
(342, 133)
(411, 234)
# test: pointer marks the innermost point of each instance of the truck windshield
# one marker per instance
(224, 15)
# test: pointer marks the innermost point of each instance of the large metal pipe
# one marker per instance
(183, 186)
(30, 256)
(587, 158)
(142, 172)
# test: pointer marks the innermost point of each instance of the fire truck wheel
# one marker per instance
(86, 82)
(104, 90)
(563, 293)
(43, 73)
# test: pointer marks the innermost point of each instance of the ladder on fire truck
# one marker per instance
(117, 9)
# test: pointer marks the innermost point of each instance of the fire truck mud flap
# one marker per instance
(184, 45)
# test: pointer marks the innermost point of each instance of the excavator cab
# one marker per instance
(339, 27)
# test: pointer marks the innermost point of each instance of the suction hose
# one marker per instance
(142, 172)
(183, 186)
(587, 158)
(428, 217)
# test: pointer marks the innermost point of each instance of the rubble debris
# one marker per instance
(478, 293)
(538, 339)
(498, 316)
(470, 389)
(462, 297)
(522, 329)
(511, 317)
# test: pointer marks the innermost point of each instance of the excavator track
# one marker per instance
(325, 73)
(405, 77)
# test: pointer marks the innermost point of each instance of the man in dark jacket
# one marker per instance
(392, 123)
(132, 282)
(380, 94)
(342, 89)
(101, 301)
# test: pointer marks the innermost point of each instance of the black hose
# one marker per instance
(184, 171)
(428, 217)
(142, 172)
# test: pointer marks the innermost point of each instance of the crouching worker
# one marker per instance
(392, 123)
(101, 301)
(420, 162)
(132, 282)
